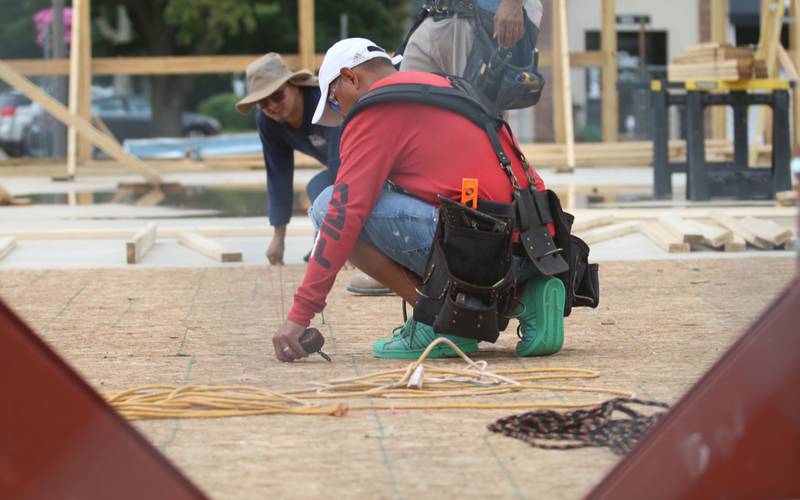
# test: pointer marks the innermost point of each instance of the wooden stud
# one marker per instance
(771, 22)
(681, 230)
(80, 83)
(790, 244)
(59, 112)
(141, 243)
(605, 233)
(786, 198)
(608, 41)
(7, 245)
(210, 248)
(306, 28)
(761, 233)
(737, 244)
(563, 103)
(719, 34)
(661, 237)
(586, 223)
(152, 65)
(713, 236)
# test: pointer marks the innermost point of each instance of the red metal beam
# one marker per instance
(736, 433)
(60, 439)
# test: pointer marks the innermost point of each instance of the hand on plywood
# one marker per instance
(287, 342)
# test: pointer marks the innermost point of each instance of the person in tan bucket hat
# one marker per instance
(286, 100)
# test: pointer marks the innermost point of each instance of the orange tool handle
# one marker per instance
(469, 191)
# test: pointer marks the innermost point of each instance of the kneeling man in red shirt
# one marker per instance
(381, 213)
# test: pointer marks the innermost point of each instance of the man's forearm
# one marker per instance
(279, 231)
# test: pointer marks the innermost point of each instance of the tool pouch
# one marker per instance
(581, 279)
(519, 83)
(468, 286)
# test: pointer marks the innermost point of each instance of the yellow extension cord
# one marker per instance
(416, 381)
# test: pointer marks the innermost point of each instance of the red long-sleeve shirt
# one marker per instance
(423, 149)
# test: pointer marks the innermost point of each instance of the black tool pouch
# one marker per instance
(581, 280)
(519, 84)
(533, 215)
(468, 286)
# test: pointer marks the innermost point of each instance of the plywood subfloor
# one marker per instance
(659, 327)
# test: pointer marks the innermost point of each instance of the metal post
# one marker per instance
(697, 188)
(662, 175)
(741, 154)
(781, 141)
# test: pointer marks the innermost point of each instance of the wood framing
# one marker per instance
(152, 65)
(7, 245)
(713, 236)
(141, 243)
(772, 12)
(719, 34)
(210, 248)
(59, 112)
(563, 122)
(80, 83)
(306, 29)
(608, 42)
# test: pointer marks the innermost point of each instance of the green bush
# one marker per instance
(221, 107)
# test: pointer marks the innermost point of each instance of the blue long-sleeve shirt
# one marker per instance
(279, 141)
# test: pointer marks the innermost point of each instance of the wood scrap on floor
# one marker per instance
(609, 232)
(208, 247)
(7, 245)
(662, 237)
(141, 243)
(761, 233)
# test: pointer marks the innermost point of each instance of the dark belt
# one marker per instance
(446, 8)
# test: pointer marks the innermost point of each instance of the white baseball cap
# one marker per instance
(347, 53)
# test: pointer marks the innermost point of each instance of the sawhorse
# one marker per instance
(704, 179)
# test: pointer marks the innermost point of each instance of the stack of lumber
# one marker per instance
(675, 234)
(716, 61)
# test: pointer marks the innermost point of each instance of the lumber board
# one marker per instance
(608, 45)
(153, 65)
(305, 29)
(768, 230)
(737, 244)
(748, 229)
(790, 244)
(659, 235)
(55, 108)
(564, 90)
(141, 243)
(713, 236)
(208, 247)
(586, 223)
(681, 229)
(606, 233)
(786, 198)
(7, 245)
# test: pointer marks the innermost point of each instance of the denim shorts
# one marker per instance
(400, 226)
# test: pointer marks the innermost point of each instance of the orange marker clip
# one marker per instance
(469, 191)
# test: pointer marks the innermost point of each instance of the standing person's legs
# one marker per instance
(439, 46)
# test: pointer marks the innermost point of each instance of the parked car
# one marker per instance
(17, 114)
(129, 118)
(25, 129)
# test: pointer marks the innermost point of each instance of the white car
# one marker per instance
(17, 114)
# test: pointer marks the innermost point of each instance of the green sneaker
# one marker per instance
(541, 325)
(411, 339)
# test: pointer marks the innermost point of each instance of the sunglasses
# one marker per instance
(276, 97)
(332, 101)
